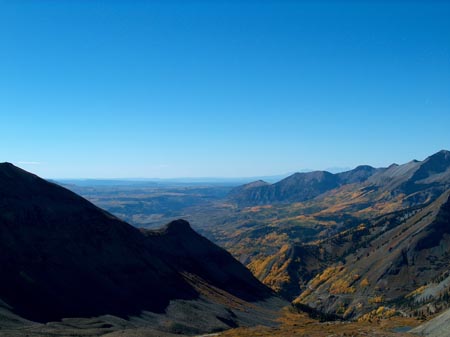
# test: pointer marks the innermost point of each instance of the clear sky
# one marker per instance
(121, 88)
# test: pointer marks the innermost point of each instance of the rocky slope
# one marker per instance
(437, 327)
(64, 257)
(394, 261)
(278, 241)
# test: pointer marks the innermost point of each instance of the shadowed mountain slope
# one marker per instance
(64, 257)
(186, 251)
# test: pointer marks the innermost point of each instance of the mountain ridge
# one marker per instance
(300, 187)
(64, 257)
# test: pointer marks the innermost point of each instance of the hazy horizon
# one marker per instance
(271, 177)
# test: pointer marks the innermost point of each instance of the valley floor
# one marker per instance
(299, 324)
(291, 324)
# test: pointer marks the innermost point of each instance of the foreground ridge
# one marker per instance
(64, 257)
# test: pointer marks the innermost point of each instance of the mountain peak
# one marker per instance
(6, 166)
(440, 161)
(9, 169)
(363, 168)
(444, 154)
(260, 181)
(256, 183)
(309, 175)
(358, 175)
(178, 226)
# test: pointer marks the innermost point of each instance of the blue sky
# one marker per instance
(221, 88)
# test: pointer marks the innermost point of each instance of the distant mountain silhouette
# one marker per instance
(297, 187)
(250, 191)
(416, 175)
(358, 175)
(64, 257)
(431, 177)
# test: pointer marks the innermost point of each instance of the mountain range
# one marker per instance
(408, 178)
(367, 245)
(318, 231)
